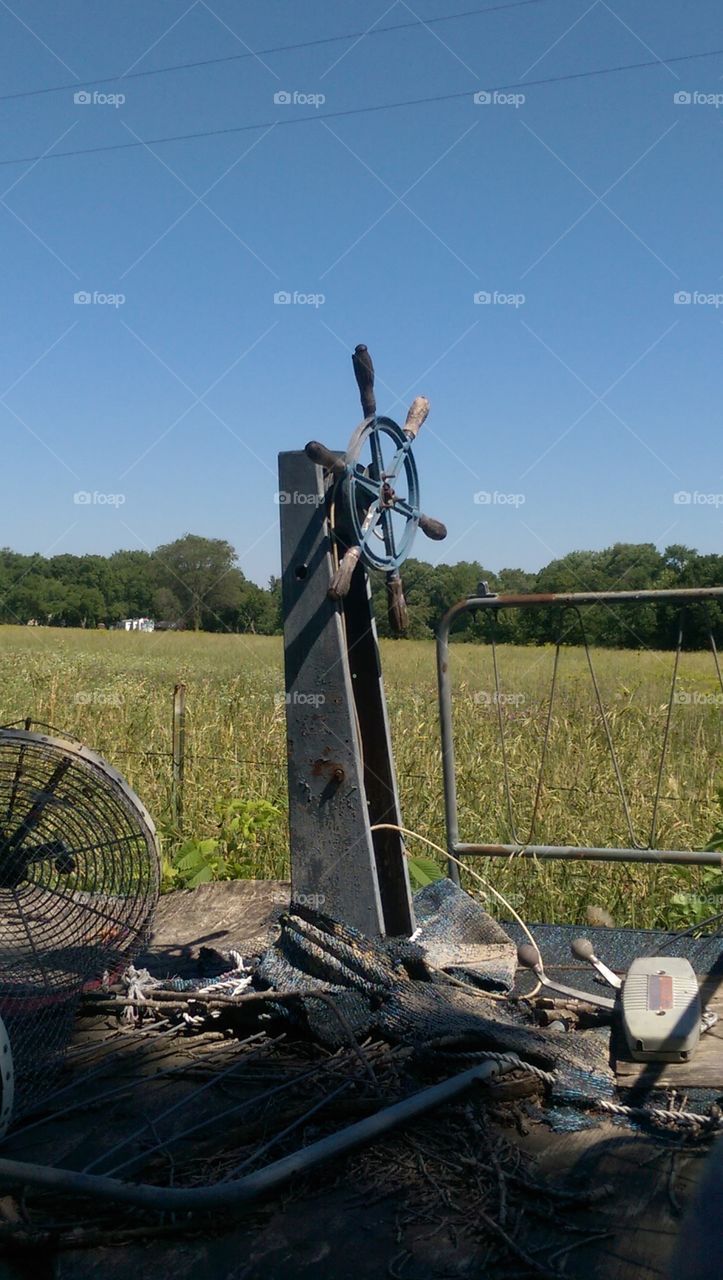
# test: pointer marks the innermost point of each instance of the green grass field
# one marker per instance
(114, 691)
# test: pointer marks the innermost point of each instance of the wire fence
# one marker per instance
(179, 758)
(185, 785)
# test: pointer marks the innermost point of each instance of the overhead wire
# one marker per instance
(279, 48)
(358, 111)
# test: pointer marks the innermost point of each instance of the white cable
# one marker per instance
(392, 826)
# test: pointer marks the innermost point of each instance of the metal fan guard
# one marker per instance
(79, 880)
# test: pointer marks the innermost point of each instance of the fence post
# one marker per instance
(178, 754)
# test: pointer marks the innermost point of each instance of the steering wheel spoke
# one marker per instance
(397, 461)
(366, 483)
(369, 527)
(402, 508)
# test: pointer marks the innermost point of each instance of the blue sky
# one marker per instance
(581, 385)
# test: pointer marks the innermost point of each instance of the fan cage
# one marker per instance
(79, 880)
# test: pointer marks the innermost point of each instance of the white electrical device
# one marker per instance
(658, 1001)
(661, 1009)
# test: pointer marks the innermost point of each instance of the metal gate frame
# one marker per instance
(485, 600)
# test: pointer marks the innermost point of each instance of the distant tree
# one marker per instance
(276, 614)
(166, 605)
(202, 573)
(508, 626)
(132, 584)
(256, 610)
(197, 581)
(453, 582)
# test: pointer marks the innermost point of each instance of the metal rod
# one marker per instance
(447, 733)
(685, 595)
(178, 754)
(664, 748)
(575, 853)
(253, 1185)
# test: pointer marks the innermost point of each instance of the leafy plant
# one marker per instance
(716, 843)
(196, 862)
(230, 855)
(423, 871)
(688, 909)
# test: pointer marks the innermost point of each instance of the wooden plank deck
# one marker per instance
(331, 1225)
(705, 1068)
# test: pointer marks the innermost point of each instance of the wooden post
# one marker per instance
(178, 754)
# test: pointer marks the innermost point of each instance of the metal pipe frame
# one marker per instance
(233, 1194)
(570, 853)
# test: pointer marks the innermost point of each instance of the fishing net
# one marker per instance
(395, 990)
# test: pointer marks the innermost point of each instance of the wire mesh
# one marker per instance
(639, 850)
(79, 880)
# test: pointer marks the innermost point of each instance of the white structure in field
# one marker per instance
(138, 624)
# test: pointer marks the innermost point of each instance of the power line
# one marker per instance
(280, 48)
(358, 111)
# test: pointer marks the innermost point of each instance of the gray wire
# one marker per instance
(359, 111)
(279, 48)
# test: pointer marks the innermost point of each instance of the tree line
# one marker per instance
(197, 583)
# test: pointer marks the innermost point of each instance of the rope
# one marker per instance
(233, 983)
(136, 982)
(505, 1061)
(712, 1123)
(687, 1120)
(139, 984)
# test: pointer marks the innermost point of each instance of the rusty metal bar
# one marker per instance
(457, 848)
(681, 595)
(576, 853)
